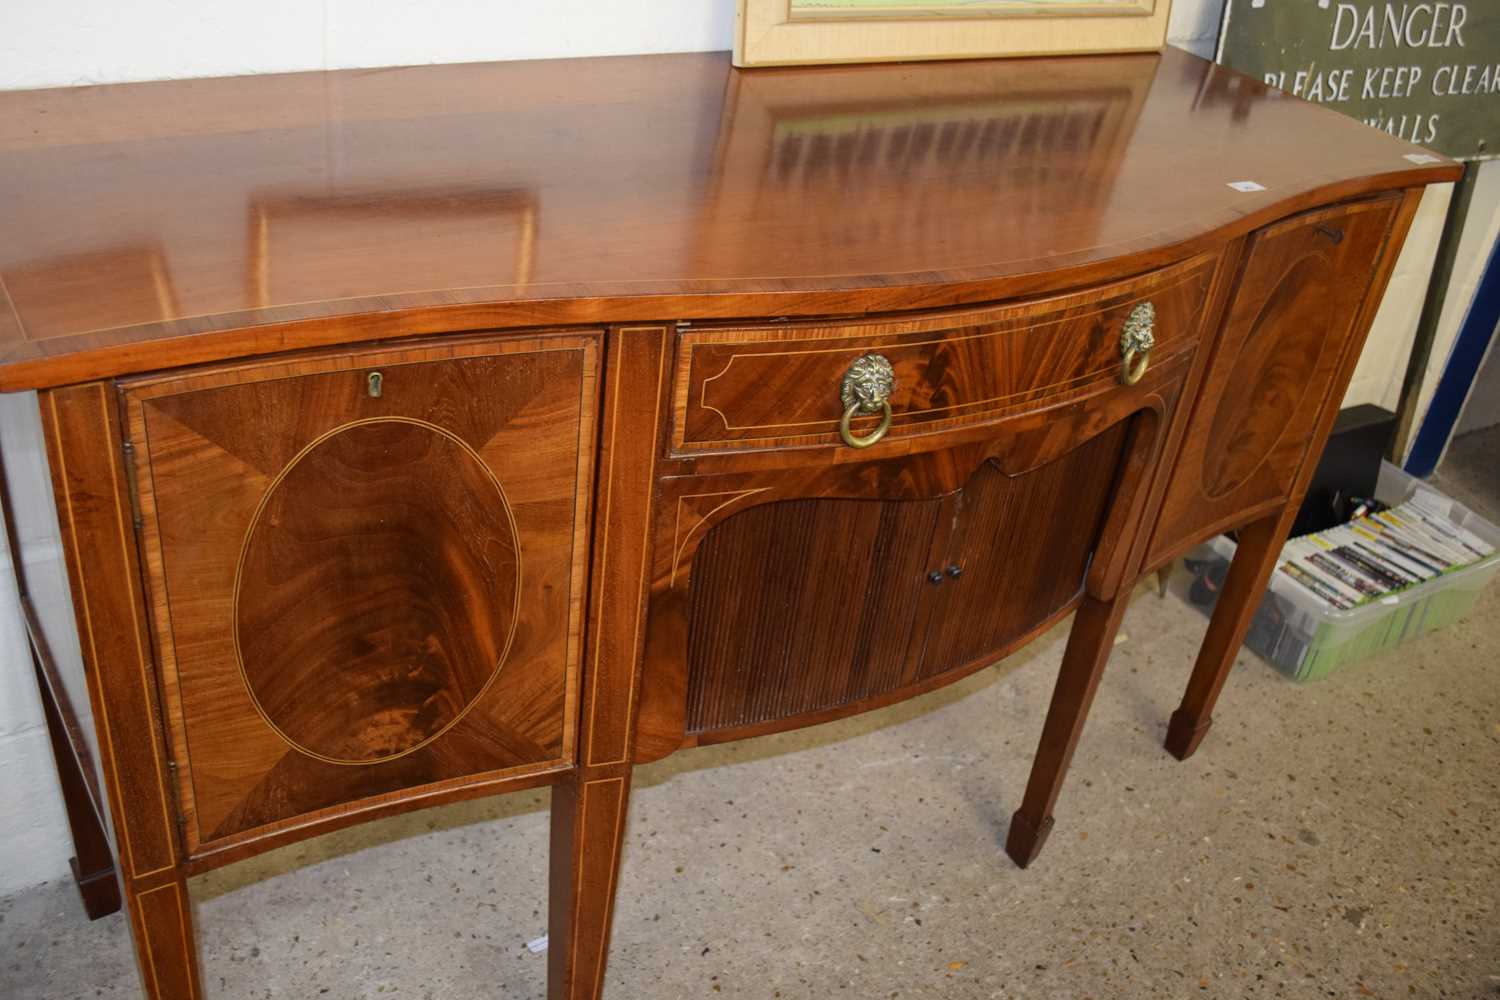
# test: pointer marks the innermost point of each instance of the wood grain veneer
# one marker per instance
(356, 596)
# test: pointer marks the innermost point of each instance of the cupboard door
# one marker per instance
(1018, 551)
(808, 606)
(366, 572)
(1275, 364)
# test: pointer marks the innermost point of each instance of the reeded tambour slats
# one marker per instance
(805, 605)
(856, 564)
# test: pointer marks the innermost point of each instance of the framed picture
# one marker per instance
(788, 32)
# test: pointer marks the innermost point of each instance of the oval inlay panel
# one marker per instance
(376, 592)
(1271, 375)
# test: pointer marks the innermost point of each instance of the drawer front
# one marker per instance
(365, 571)
(1276, 366)
(778, 385)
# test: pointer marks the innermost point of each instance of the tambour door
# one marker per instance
(811, 605)
(1288, 330)
(365, 572)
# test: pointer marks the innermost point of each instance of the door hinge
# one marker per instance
(177, 798)
(132, 487)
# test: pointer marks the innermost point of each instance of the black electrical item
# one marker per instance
(1348, 469)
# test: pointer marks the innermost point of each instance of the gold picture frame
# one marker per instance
(794, 32)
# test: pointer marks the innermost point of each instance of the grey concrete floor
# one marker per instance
(1334, 840)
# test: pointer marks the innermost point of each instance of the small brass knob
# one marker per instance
(867, 388)
(1136, 341)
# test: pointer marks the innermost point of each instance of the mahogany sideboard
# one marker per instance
(379, 439)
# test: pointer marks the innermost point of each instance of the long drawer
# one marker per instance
(778, 384)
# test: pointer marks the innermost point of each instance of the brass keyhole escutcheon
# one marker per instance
(376, 383)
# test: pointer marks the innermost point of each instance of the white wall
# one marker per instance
(1382, 367)
(34, 845)
(56, 43)
(48, 43)
(61, 43)
(34, 840)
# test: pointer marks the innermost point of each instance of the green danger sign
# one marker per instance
(1426, 72)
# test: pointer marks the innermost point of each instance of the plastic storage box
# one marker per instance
(1307, 640)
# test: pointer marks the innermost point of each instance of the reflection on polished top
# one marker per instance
(161, 224)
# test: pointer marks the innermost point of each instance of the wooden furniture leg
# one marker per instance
(1089, 645)
(93, 863)
(588, 811)
(1255, 558)
(85, 452)
(588, 827)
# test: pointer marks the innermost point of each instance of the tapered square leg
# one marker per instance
(1025, 839)
(1254, 559)
(161, 927)
(1185, 732)
(588, 828)
(1089, 644)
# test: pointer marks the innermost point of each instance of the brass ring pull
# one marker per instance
(864, 442)
(867, 388)
(1136, 341)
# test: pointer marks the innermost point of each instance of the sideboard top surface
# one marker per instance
(155, 225)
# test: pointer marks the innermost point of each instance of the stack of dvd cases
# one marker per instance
(1395, 573)
(1381, 554)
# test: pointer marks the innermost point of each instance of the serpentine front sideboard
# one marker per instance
(380, 439)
